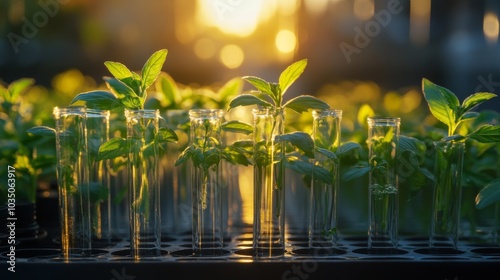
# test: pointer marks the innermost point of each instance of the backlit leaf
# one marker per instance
(102, 100)
(152, 67)
(290, 74)
(303, 103)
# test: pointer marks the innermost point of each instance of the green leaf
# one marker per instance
(364, 112)
(303, 103)
(42, 131)
(235, 155)
(345, 148)
(475, 99)
(113, 148)
(259, 84)
(118, 70)
(441, 103)
(327, 153)
(300, 140)
(290, 74)
(455, 137)
(211, 157)
(17, 87)
(184, 155)
(166, 134)
(468, 116)
(237, 127)
(355, 172)
(486, 134)
(407, 143)
(489, 194)
(120, 88)
(247, 100)
(152, 67)
(168, 87)
(98, 99)
(229, 89)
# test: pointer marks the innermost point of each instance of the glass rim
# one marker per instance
(202, 112)
(69, 110)
(327, 112)
(142, 112)
(265, 110)
(384, 120)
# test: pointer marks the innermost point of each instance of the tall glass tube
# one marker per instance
(73, 181)
(445, 220)
(383, 140)
(144, 188)
(177, 186)
(325, 179)
(99, 180)
(269, 184)
(205, 140)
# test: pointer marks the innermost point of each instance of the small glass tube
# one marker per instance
(383, 141)
(205, 139)
(73, 181)
(325, 179)
(269, 184)
(144, 187)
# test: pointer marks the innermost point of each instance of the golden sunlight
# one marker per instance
(364, 9)
(491, 27)
(204, 48)
(286, 41)
(231, 56)
(237, 17)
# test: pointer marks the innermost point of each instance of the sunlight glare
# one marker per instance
(286, 41)
(491, 27)
(231, 56)
(237, 17)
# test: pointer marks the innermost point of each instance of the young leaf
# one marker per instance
(235, 155)
(119, 88)
(302, 103)
(42, 131)
(475, 99)
(259, 84)
(246, 100)
(185, 155)
(17, 87)
(229, 89)
(440, 105)
(113, 148)
(486, 134)
(355, 172)
(346, 148)
(327, 153)
(300, 140)
(468, 116)
(168, 87)
(97, 99)
(118, 70)
(364, 112)
(290, 74)
(166, 134)
(489, 194)
(152, 68)
(237, 127)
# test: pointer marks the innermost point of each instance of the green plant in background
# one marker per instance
(18, 148)
(464, 128)
(445, 106)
